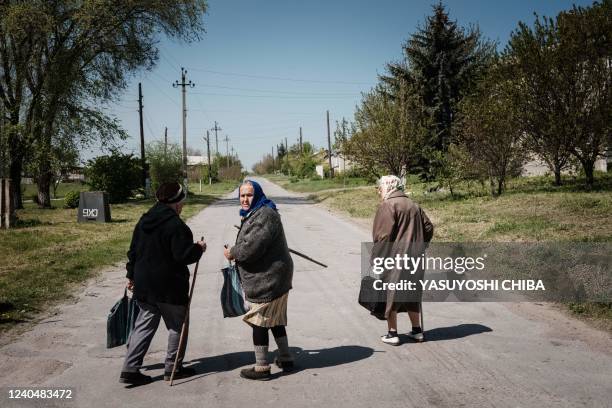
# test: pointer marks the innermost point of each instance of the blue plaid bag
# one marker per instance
(233, 302)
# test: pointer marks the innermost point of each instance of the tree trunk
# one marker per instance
(557, 171)
(588, 166)
(44, 185)
(15, 175)
(500, 186)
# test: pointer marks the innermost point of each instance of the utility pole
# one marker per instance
(287, 154)
(183, 85)
(329, 151)
(166, 141)
(216, 129)
(232, 156)
(301, 146)
(142, 145)
(272, 159)
(227, 149)
(208, 152)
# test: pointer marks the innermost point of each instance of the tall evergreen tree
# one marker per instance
(442, 61)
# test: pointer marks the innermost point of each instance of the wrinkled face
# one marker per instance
(246, 196)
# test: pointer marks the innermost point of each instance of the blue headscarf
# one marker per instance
(259, 199)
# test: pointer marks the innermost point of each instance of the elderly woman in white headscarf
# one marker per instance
(400, 227)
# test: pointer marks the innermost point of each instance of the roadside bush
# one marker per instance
(164, 163)
(118, 174)
(71, 199)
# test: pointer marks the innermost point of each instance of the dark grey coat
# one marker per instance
(262, 256)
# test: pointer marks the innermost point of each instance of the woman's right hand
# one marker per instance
(202, 244)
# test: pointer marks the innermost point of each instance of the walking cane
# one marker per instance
(178, 352)
(293, 251)
(421, 309)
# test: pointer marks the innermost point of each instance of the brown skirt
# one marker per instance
(269, 314)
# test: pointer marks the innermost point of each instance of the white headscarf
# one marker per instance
(389, 185)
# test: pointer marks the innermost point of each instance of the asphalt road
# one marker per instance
(477, 354)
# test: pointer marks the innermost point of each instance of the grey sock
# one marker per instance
(283, 349)
(261, 356)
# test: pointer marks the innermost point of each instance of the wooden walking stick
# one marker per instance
(293, 251)
(421, 309)
(183, 329)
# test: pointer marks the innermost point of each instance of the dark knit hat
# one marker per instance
(170, 193)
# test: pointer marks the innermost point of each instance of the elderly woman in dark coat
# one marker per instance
(266, 270)
(400, 227)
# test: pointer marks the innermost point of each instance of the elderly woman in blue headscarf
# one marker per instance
(266, 270)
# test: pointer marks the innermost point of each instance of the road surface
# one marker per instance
(477, 354)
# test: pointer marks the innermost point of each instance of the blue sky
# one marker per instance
(265, 68)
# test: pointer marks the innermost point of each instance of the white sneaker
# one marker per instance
(392, 340)
(418, 337)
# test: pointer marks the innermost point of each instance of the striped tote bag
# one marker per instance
(233, 302)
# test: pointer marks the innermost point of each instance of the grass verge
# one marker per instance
(308, 185)
(532, 209)
(49, 253)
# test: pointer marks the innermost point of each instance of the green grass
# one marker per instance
(28, 190)
(310, 185)
(532, 209)
(49, 253)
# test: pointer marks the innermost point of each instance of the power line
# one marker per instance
(280, 96)
(279, 78)
(162, 91)
(284, 92)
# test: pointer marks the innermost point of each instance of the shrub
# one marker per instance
(164, 163)
(71, 199)
(118, 174)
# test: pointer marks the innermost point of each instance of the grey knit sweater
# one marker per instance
(262, 256)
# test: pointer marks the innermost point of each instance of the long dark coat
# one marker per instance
(400, 227)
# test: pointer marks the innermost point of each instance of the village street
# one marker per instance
(477, 354)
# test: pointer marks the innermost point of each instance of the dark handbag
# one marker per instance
(121, 320)
(375, 301)
(233, 302)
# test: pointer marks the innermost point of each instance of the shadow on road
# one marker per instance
(304, 360)
(452, 332)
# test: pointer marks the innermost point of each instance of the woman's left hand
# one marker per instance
(227, 254)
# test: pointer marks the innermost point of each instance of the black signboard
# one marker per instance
(93, 207)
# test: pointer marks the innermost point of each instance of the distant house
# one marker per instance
(339, 163)
(537, 167)
(196, 160)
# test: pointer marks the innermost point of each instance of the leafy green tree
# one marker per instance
(441, 63)
(533, 63)
(164, 163)
(118, 174)
(61, 59)
(487, 134)
(389, 132)
(562, 69)
(264, 166)
(585, 46)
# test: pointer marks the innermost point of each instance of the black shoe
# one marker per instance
(284, 365)
(183, 372)
(251, 374)
(136, 378)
